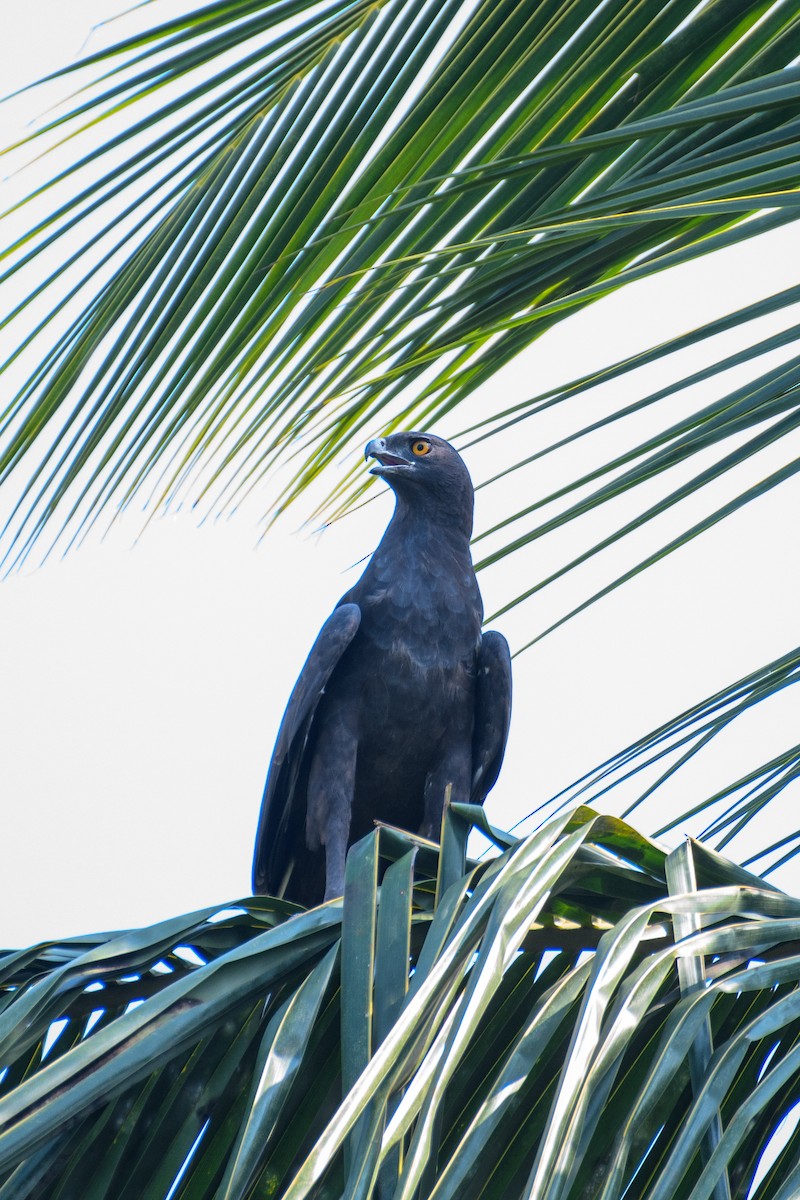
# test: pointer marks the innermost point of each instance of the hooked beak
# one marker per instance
(386, 463)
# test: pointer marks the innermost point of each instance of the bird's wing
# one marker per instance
(271, 850)
(492, 713)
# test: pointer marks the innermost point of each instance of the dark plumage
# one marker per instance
(400, 695)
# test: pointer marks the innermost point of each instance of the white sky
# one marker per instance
(142, 686)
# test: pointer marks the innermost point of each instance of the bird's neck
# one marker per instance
(415, 538)
(423, 562)
(448, 517)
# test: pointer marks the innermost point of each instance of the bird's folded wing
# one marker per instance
(492, 713)
(273, 823)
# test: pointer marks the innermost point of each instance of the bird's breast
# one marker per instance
(415, 665)
(423, 638)
(413, 660)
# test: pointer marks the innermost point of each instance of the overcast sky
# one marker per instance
(142, 685)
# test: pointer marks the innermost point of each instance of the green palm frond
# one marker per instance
(582, 1014)
(748, 419)
(331, 216)
(663, 751)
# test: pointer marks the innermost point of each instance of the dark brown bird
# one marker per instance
(400, 696)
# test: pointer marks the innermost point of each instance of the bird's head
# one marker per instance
(425, 472)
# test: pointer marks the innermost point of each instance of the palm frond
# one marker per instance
(534, 1028)
(662, 752)
(306, 238)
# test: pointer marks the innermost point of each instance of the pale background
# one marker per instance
(142, 685)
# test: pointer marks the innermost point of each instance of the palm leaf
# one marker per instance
(539, 1031)
(307, 232)
(650, 762)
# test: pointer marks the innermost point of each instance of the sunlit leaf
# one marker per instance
(521, 1053)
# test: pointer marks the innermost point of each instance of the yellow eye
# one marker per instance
(420, 447)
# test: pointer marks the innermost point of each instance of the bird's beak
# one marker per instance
(387, 464)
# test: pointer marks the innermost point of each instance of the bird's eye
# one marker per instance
(420, 447)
